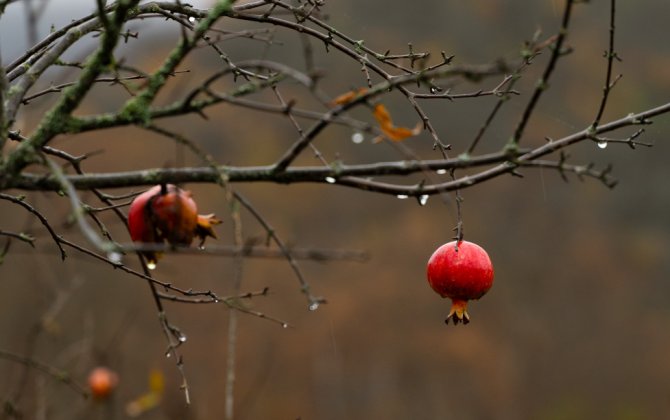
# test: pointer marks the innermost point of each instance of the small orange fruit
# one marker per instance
(101, 382)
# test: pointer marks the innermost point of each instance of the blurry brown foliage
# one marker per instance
(576, 325)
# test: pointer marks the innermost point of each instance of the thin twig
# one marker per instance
(543, 82)
(231, 338)
(24, 237)
(610, 55)
(313, 301)
(21, 202)
(79, 212)
(57, 374)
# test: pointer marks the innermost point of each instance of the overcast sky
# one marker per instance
(13, 28)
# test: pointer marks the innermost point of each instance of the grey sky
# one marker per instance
(13, 23)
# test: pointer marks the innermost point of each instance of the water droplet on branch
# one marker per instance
(151, 265)
(602, 144)
(441, 171)
(423, 199)
(314, 306)
(402, 196)
(357, 137)
(330, 180)
(114, 257)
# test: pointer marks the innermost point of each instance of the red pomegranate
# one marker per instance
(461, 272)
(166, 213)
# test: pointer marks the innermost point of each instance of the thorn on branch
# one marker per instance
(289, 106)
(630, 141)
(127, 35)
(21, 236)
(446, 59)
(328, 40)
(561, 165)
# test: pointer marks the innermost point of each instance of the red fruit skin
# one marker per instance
(139, 223)
(102, 382)
(175, 215)
(461, 273)
(164, 213)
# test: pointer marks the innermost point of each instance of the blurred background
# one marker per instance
(576, 326)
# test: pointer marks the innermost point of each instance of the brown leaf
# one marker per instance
(392, 132)
(347, 97)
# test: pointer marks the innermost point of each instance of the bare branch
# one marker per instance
(543, 82)
(59, 375)
(610, 55)
(314, 301)
(208, 174)
(21, 202)
(52, 122)
(79, 212)
(29, 239)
